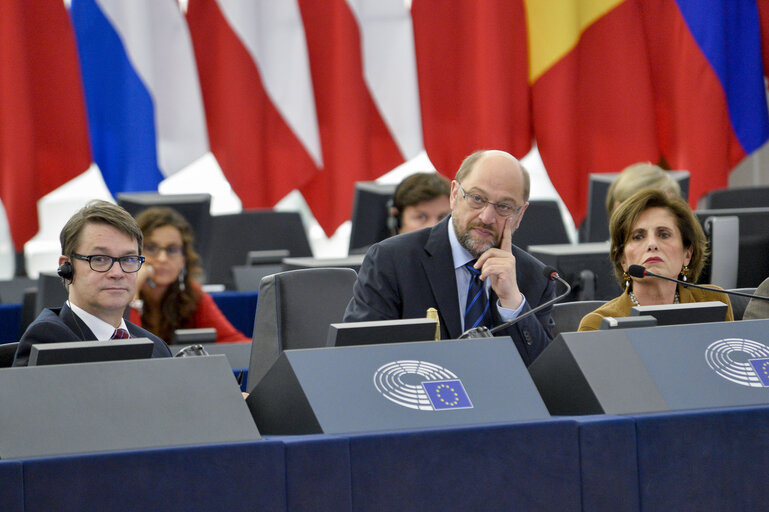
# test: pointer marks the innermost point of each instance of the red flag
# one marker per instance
(43, 127)
(472, 62)
(357, 145)
(260, 155)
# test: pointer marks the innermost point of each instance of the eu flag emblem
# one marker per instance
(761, 366)
(447, 394)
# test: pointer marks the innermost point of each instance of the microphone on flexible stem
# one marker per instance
(484, 332)
(639, 272)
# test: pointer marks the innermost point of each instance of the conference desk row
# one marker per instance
(238, 307)
(682, 461)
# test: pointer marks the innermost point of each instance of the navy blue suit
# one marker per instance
(404, 275)
(61, 324)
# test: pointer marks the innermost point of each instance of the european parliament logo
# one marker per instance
(742, 361)
(421, 385)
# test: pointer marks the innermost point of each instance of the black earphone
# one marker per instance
(393, 219)
(66, 271)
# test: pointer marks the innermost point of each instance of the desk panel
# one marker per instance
(528, 466)
(11, 486)
(243, 476)
(318, 474)
(608, 464)
(704, 460)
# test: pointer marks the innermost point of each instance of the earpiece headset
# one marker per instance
(394, 218)
(66, 271)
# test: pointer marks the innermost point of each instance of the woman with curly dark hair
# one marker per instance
(168, 294)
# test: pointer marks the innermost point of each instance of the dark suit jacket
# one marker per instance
(404, 275)
(61, 324)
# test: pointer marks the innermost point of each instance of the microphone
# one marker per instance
(484, 332)
(639, 271)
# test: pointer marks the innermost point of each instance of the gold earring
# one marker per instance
(626, 278)
(684, 272)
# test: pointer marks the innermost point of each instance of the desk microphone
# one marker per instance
(484, 332)
(639, 271)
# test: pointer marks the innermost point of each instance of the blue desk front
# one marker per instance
(694, 460)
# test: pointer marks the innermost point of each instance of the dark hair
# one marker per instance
(418, 188)
(627, 213)
(179, 303)
(98, 212)
(468, 164)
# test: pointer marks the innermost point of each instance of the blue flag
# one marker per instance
(447, 394)
(761, 366)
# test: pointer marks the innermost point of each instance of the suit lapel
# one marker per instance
(438, 265)
(75, 324)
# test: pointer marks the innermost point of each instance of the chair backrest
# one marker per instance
(595, 227)
(740, 303)
(233, 236)
(294, 310)
(542, 224)
(737, 197)
(7, 353)
(567, 315)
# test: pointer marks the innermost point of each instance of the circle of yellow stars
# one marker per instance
(451, 391)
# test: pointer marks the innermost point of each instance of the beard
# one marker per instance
(475, 246)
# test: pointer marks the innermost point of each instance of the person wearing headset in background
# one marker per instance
(101, 247)
(420, 201)
(168, 297)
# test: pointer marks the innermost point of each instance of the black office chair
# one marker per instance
(294, 311)
(567, 315)
(542, 224)
(234, 236)
(7, 353)
(737, 197)
(739, 303)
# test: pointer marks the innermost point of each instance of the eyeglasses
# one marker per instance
(102, 262)
(478, 203)
(172, 251)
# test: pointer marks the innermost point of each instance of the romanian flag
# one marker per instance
(673, 81)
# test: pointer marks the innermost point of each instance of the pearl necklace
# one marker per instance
(676, 298)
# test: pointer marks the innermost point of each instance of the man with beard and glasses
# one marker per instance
(403, 276)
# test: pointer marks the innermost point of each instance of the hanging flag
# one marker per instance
(257, 89)
(592, 100)
(145, 110)
(472, 61)
(710, 97)
(43, 131)
(363, 133)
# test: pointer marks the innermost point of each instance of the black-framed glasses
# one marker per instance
(477, 202)
(102, 262)
(172, 251)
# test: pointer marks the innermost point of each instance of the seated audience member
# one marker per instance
(758, 308)
(420, 201)
(168, 297)
(662, 234)
(638, 177)
(466, 266)
(101, 248)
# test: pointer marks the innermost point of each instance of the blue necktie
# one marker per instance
(477, 309)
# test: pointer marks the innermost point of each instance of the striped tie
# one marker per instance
(477, 309)
(120, 334)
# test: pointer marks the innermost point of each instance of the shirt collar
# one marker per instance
(459, 254)
(101, 329)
